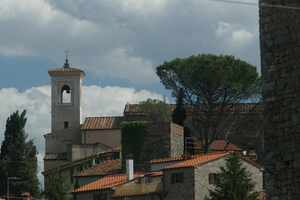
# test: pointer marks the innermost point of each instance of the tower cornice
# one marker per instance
(70, 71)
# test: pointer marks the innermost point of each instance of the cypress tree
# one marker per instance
(234, 182)
(179, 115)
(18, 157)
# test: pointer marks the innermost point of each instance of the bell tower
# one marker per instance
(65, 98)
(65, 115)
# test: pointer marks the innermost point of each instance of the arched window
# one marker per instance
(66, 94)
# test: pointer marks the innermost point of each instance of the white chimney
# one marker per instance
(129, 169)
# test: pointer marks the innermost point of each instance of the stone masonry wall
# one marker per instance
(179, 191)
(176, 140)
(280, 50)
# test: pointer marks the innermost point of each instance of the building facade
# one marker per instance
(65, 115)
(172, 179)
(280, 50)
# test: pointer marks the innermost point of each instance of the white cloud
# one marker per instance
(223, 29)
(234, 36)
(119, 64)
(97, 101)
(126, 39)
(242, 36)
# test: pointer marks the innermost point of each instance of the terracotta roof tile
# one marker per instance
(199, 160)
(222, 145)
(98, 123)
(107, 167)
(139, 189)
(103, 183)
(163, 160)
(111, 181)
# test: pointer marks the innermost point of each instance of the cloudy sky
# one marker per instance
(117, 42)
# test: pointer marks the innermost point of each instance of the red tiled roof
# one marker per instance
(107, 167)
(111, 181)
(103, 183)
(98, 123)
(163, 160)
(222, 145)
(139, 189)
(199, 160)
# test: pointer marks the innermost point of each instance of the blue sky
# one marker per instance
(24, 72)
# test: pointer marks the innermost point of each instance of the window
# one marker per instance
(100, 196)
(177, 178)
(213, 178)
(66, 94)
(148, 179)
(66, 125)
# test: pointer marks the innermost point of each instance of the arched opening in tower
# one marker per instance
(66, 94)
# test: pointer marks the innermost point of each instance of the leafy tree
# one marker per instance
(234, 182)
(157, 111)
(212, 86)
(57, 188)
(179, 115)
(18, 157)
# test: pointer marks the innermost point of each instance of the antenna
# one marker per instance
(67, 53)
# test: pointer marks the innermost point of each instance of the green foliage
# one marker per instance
(209, 78)
(234, 182)
(157, 110)
(57, 188)
(133, 134)
(18, 157)
(178, 115)
(211, 84)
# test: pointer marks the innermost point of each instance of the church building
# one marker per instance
(72, 146)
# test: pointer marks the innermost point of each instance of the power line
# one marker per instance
(237, 2)
(256, 4)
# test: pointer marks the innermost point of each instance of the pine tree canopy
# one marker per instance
(234, 182)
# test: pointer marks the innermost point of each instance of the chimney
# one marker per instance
(129, 169)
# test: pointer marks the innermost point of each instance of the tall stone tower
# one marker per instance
(280, 50)
(65, 96)
(65, 114)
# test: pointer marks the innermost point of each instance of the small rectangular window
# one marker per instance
(213, 178)
(66, 125)
(177, 178)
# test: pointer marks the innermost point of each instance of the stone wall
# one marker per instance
(280, 50)
(176, 140)
(109, 137)
(163, 140)
(83, 151)
(174, 191)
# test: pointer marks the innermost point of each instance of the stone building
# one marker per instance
(72, 147)
(241, 118)
(280, 56)
(167, 180)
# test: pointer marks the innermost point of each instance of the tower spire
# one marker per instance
(66, 64)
